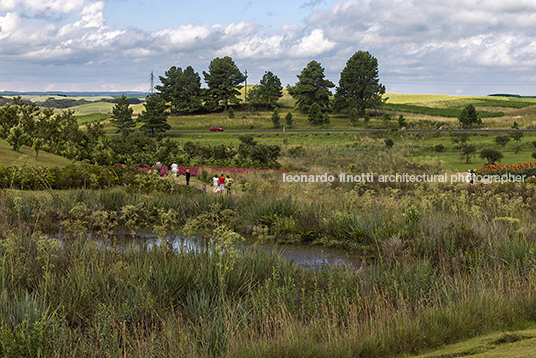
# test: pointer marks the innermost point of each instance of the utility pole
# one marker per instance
(246, 88)
(151, 77)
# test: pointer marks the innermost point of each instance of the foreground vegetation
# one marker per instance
(442, 262)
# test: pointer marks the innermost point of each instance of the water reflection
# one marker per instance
(301, 255)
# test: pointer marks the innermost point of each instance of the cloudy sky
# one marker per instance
(467, 47)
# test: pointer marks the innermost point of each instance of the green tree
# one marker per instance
(268, 92)
(223, 80)
(460, 139)
(354, 116)
(389, 143)
(469, 116)
(181, 89)
(517, 136)
(122, 117)
(468, 151)
(311, 87)
(289, 120)
(154, 117)
(19, 113)
(37, 143)
(502, 140)
(231, 112)
(491, 155)
(315, 115)
(275, 117)
(17, 137)
(169, 87)
(359, 85)
(402, 122)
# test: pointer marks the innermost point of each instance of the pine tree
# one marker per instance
(122, 117)
(154, 117)
(275, 117)
(288, 119)
(312, 87)
(359, 85)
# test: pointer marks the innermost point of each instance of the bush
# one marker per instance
(491, 155)
(439, 148)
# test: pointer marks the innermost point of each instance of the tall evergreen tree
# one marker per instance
(188, 95)
(469, 116)
(359, 85)
(276, 118)
(122, 117)
(311, 87)
(223, 80)
(268, 92)
(154, 117)
(169, 87)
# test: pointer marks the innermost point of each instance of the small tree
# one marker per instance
(515, 125)
(491, 155)
(354, 116)
(288, 119)
(37, 143)
(17, 137)
(386, 116)
(154, 117)
(502, 140)
(314, 114)
(325, 118)
(460, 139)
(122, 117)
(469, 117)
(401, 122)
(275, 117)
(467, 151)
(231, 112)
(389, 143)
(366, 117)
(517, 136)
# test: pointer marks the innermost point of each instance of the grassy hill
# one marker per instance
(9, 157)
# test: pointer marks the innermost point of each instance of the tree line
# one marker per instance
(181, 92)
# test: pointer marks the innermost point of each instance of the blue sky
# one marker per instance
(466, 47)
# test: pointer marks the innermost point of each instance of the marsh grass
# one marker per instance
(442, 263)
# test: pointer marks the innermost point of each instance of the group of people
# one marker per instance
(175, 170)
(221, 184)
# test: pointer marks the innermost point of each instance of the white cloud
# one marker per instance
(8, 24)
(42, 6)
(312, 45)
(92, 15)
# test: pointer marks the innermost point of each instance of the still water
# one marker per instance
(301, 255)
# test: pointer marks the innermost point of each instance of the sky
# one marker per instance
(456, 47)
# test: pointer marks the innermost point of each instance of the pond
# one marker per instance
(301, 255)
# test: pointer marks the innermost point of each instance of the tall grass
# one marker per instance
(441, 263)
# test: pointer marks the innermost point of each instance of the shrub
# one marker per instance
(491, 155)
(439, 148)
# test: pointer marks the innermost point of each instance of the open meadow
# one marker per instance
(93, 260)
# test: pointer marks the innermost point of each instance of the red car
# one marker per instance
(216, 129)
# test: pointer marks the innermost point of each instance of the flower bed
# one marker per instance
(146, 168)
(195, 170)
(526, 168)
